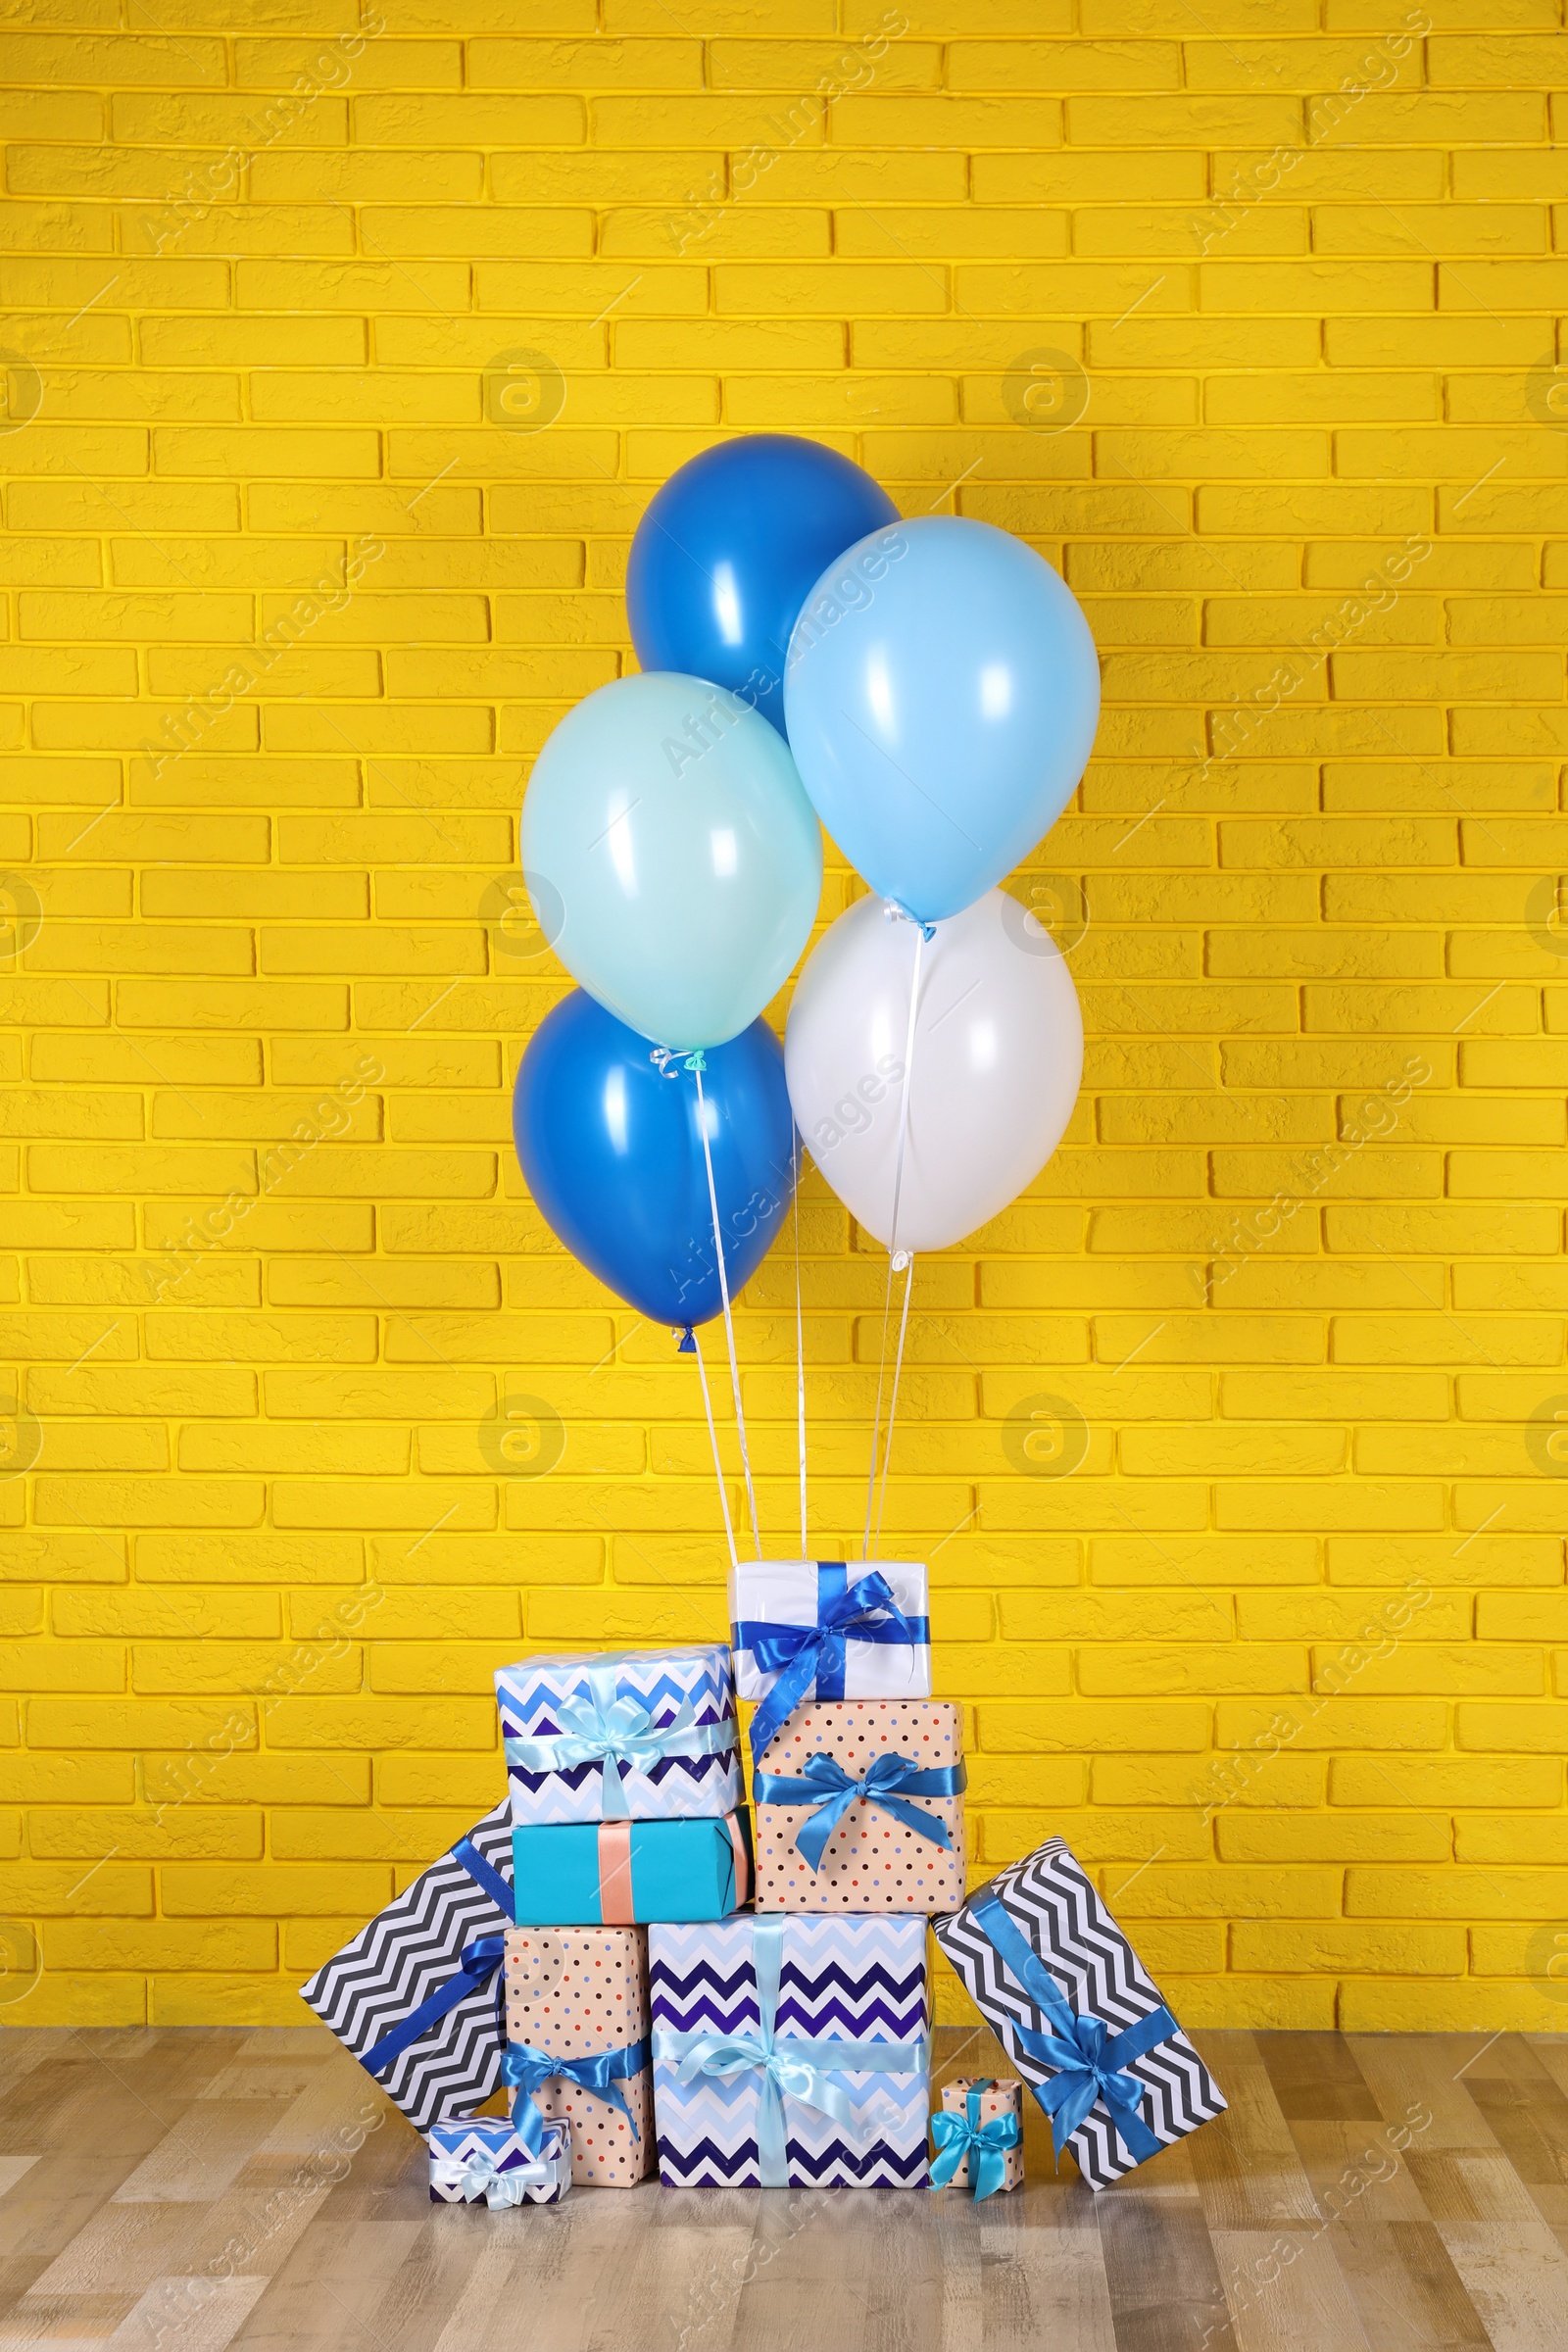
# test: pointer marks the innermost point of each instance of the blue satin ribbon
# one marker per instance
(479, 1870)
(524, 2070)
(803, 1654)
(1090, 2060)
(986, 2145)
(620, 1735)
(477, 1963)
(828, 1790)
(796, 2067)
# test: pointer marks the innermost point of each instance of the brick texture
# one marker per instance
(1239, 1446)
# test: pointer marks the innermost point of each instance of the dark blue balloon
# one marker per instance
(612, 1154)
(729, 551)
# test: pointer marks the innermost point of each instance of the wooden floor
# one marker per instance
(184, 2190)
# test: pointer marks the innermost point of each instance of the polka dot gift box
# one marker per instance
(861, 1808)
(577, 2045)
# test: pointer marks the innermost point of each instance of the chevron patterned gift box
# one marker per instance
(623, 1735)
(862, 1809)
(790, 2052)
(811, 1629)
(414, 1997)
(1071, 2003)
(486, 2159)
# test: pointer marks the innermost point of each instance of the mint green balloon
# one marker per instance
(671, 855)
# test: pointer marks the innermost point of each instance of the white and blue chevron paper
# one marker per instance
(845, 1979)
(638, 1734)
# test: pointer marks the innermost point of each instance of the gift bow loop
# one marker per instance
(1091, 2061)
(985, 2144)
(795, 1653)
(525, 2070)
(479, 2175)
(618, 1733)
(830, 1791)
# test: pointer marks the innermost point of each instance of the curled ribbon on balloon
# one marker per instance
(1091, 2061)
(525, 2070)
(618, 1733)
(985, 2144)
(662, 1056)
(479, 2175)
(798, 1654)
(829, 1790)
(797, 2067)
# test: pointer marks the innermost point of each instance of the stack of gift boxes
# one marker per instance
(651, 1986)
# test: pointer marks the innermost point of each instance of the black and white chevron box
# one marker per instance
(1090, 2032)
(414, 1997)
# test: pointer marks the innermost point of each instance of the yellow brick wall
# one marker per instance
(293, 593)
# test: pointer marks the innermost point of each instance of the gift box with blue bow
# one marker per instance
(978, 2132)
(826, 1628)
(416, 1995)
(859, 1807)
(629, 1735)
(577, 2016)
(485, 2159)
(791, 2052)
(1078, 2014)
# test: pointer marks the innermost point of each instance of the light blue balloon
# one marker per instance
(671, 855)
(942, 695)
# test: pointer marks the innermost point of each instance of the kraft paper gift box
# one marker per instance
(791, 2052)
(414, 1998)
(826, 1629)
(1081, 2019)
(611, 1873)
(485, 2159)
(639, 1734)
(979, 2135)
(861, 1808)
(577, 2047)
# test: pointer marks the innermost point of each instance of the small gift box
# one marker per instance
(1072, 2005)
(821, 1629)
(414, 1997)
(862, 1809)
(639, 1734)
(979, 2136)
(486, 2159)
(790, 2052)
(609, 1873)
(577, 2047)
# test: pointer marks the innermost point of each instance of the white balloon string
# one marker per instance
(713, 1440)
(800, 1339)
(892, 1406)
(729, 1320)
(893, 1230)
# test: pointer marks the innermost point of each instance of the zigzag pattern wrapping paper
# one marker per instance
(848, 1978)
(786, 1593)
(664, 1682)
(490, 2143)
(1057, 1911)
(407, 1954)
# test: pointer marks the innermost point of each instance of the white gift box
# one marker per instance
(827, 1629)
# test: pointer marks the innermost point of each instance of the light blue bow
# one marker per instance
(798, 2067)
(479, 2175)
(985, 2144)
(828, 1790)
(619, 1734)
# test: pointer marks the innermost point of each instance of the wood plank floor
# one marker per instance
(184, 2191)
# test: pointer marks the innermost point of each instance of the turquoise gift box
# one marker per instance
(592, 1873)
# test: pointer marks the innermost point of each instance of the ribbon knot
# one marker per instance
(961, 2136)
(798, 1654)
(525, 2070)
(478, 2175)
(830, 1791)
(663, 1057)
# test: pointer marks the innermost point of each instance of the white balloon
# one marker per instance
(999, 1052)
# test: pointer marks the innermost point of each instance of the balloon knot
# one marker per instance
(688, 1345)
(664, 1056)
(895, 907)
